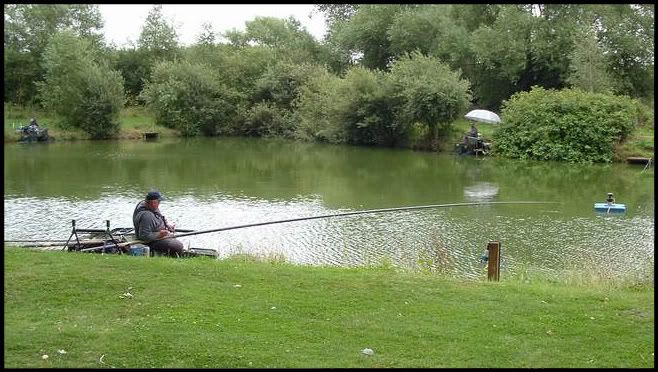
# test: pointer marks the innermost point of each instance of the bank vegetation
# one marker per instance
(383, 75)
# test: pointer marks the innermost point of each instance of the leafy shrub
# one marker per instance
(429, 91)
(103, 98)
(266, 120)
(82, 92)
(315, 113)
(567, 125)
(188, 97)
(366, 107)
(281, 83)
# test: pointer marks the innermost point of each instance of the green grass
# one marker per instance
(133, 121)
(241, 312)
(639, 143)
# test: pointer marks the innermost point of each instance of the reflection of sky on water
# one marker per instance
(481, 191)
(449, 240)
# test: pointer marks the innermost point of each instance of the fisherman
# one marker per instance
(610, 199)
(32, 128)
(153, 228)
(474, 131)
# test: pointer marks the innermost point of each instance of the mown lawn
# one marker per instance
(87, 310)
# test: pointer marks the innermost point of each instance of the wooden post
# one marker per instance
(493, 272)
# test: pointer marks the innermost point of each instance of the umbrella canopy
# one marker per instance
(484, 116)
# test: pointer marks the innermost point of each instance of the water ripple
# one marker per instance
(449, 241)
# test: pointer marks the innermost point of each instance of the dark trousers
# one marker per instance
(170, 247)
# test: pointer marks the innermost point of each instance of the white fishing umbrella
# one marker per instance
(484, 116)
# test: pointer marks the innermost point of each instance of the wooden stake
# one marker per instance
(493, 272)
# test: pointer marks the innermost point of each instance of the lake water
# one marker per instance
(213, 183)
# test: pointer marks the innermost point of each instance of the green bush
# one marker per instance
(566, 125)
(366, 106)
(82, 92)
(189, 97)
(101, 102)
(429, 92)
(315, 109)
(264, 119)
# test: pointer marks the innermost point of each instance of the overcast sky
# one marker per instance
(124, 22)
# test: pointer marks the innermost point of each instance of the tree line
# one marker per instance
(384, 74)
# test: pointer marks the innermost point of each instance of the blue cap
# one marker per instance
(154, 195)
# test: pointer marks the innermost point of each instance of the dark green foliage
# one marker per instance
(286, 38)
(189, 97)
(366, 33)
(102, 99)
(315, 109)
(280, 84)
(380, 108)
(588, 68)
(366, 106)
(507, 48)
(240, 68)
(568, 125)
(429, 92)
(158, 37)
(268, 81)
(28, 29)
(265, 119)
(334, 13)
(358, 109)
(431, 30)
(275, 93)
(84, 93)
(19, 73)
(135, 68)
(627, 35)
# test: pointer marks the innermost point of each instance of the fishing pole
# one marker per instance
(198, 232)
(36, 241)
(347, 214)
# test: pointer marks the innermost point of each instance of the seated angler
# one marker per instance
(152, 227)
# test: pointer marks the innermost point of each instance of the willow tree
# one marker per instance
(431, 93)
(588, 69)
(28, 29)
(84, 92)
(158, 36)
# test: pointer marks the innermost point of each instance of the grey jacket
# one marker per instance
(147, 222)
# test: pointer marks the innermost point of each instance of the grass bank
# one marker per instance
(133, 120)
(240, 312)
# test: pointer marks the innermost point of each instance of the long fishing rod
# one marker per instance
(198, 232)
(351, 213)
(36, 241)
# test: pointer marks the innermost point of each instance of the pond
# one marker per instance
(212, 183)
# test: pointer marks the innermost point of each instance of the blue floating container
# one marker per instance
(610, 208)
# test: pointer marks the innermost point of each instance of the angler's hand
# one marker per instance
(164, 233)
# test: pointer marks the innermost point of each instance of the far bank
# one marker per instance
(137, 120)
